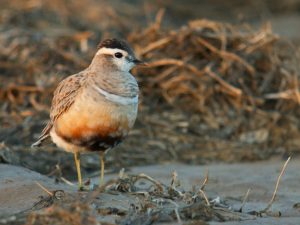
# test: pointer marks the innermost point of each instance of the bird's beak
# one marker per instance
(139, 62)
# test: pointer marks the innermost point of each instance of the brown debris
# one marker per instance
(212, 76)
(212, 91)
(228, 54)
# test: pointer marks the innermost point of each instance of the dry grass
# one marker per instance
(212, 91)
(209, 65)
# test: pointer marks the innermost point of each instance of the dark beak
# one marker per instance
(139, 62)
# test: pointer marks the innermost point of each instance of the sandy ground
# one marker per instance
(18, 190)
(233, 181)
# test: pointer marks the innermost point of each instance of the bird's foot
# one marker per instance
(84, 188)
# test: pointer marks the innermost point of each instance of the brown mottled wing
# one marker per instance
(63, 98)
(65, 94)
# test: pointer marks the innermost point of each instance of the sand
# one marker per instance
(19, 191)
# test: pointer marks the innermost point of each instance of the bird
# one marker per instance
(94, 110)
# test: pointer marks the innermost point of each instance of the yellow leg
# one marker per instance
(77, 162)
(102, 168)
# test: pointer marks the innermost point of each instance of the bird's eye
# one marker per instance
(118, 55)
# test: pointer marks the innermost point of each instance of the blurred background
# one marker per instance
(222, 83)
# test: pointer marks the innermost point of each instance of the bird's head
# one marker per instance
(118, 53)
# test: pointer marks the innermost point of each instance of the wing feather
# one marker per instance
(64, 96)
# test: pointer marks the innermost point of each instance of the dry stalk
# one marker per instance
(165, 74)
(205, 181)
(66, 181)
(231, 89)
(36, 105)
(57, 171)
(245, 199)
(162, 200)
(174, 179)
(201, 190)
(122, 173)
(174, 183)
(166, 62)
(158, 18)
(144, 176)
(175, 210)
(296, 89)
(23, 88)
(205, 197)
(227, 55)
(276, 188)
(155, 45)
(44, 189)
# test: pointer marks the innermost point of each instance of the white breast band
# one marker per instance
(117, 98)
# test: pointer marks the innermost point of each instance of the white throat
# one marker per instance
(117, 98)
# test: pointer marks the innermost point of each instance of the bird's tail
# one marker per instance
(44, 136)
(40, 141)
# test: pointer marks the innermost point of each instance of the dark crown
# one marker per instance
(116, 43)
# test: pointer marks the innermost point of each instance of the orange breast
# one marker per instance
(90, 128)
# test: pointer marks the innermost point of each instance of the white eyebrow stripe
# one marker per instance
(110, 51)
(117, 98)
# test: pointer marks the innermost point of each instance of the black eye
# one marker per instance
(118, 55)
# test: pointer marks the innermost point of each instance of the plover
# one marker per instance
(94, 110)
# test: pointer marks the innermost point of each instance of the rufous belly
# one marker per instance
(93, 127)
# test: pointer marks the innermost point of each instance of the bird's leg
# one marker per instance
(77, 162)
(102, 168)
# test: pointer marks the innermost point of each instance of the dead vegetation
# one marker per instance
(211, 88)
(212, 91)
(223, 72)
(207, 62)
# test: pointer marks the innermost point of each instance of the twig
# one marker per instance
(44, 189)
(166, 62)
(174, 183)
(245, 199)
(144, 176)
(155, 45)
(201, 189)
(174, 179)
(232, 90)
(23, 88)
(36, 105)
(291, 94)
(205, 197)
(122, 173)
(158, 18)
(66, 181)
(165, 74)
(227, 55)
(276, 187)
(205, 181)
(56, 172)
(175, 210)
